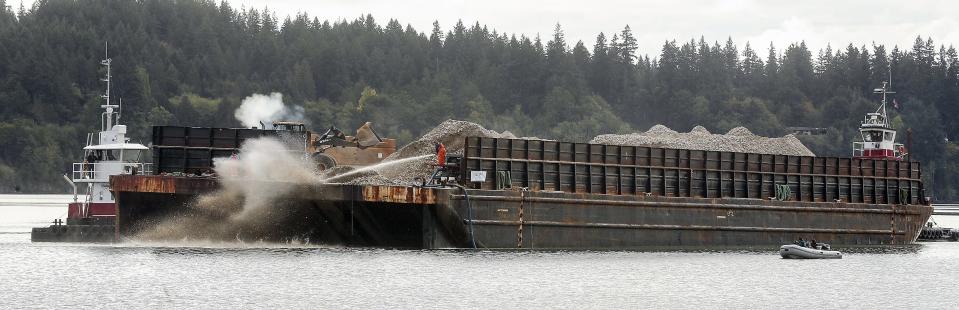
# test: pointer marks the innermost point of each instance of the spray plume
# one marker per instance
(255, 202)
(261, 198)
(264, 170)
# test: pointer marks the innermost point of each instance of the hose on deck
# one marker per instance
(469, 213)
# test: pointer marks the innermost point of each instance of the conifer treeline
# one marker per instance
(192, 63)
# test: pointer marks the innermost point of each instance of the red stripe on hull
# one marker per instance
(96, 209)
(878, 154)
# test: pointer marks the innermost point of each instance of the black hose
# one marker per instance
(469, 207)
(469, 213)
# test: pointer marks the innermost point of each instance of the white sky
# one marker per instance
(817, 22)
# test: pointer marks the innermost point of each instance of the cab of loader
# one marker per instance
(288, 126)
(334, 148)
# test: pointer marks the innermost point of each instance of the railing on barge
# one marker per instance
(637, 170)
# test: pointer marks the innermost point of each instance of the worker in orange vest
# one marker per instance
(440, 154)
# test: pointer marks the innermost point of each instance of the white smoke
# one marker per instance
(265, 109)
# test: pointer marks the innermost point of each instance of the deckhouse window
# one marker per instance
(888, 136)
(872, 136)
(112, 155)
(131, 155)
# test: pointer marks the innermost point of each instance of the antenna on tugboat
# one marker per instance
(890, 75)
(108, 115)
(886, 85)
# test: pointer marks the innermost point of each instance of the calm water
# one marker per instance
(291, 276)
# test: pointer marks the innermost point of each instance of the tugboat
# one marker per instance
(878, 137)
(878, 142)
(107, 152)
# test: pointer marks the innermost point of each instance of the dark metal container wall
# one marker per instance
(191, 150)
(559, 220)
(635, 170)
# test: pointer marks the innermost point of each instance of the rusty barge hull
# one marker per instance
(442, 218)
(536, 194)
(539, 220)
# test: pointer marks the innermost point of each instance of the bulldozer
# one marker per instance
(334, 148)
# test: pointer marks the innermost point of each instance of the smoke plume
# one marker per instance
(259, 108)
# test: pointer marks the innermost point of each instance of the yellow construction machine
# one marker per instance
(334, 148)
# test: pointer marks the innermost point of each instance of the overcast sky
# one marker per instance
(759, 22)
(653, 22)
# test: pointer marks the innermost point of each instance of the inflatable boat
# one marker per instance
(796, 251)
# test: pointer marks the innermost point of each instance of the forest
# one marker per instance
(192, 62)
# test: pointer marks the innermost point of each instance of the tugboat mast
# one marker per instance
(107, 117)
(886, 86)
(884, 91)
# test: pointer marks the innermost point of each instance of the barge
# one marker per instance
(535, 194)
(505, 192)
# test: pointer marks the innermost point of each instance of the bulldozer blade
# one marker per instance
(366, 137)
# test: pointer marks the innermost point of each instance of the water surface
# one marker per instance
(238, 275)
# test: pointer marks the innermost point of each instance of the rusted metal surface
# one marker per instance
(520, 221)
(161, 184)
(556, 220)
(321, 192)
(583, 201)
(398, 194)
(690, 227)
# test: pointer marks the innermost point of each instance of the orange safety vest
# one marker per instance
(441, 155)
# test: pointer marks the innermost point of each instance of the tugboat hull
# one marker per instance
(99, 225)
(74, 233)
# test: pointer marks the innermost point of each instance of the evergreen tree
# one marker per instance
(627, 49)
(751, 73)
(600, 66)
(192, 62)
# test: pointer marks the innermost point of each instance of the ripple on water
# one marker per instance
(257, 275)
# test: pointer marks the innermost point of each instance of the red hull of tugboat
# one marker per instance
(75, 210)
